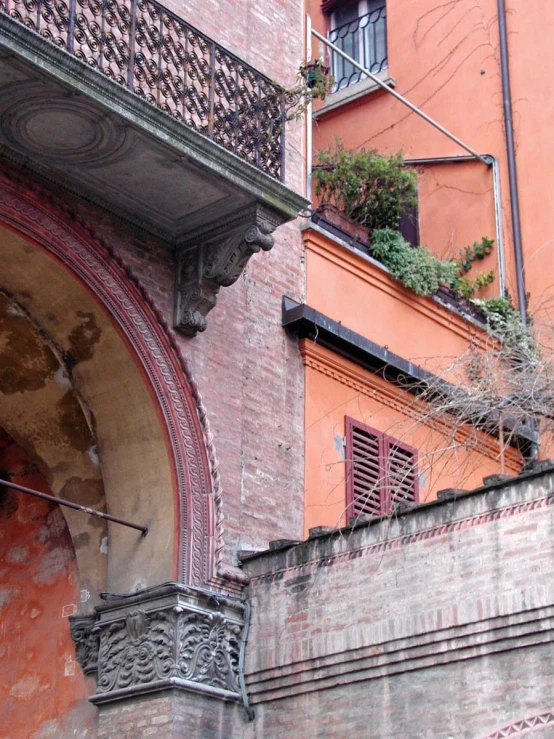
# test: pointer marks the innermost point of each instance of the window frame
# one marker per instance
(384, 445)
(364, 7)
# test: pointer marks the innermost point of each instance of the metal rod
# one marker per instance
(511, 154)
(402, 99)
(499, 229)
(75, 506)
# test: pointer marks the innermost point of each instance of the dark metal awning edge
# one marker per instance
(308, 323)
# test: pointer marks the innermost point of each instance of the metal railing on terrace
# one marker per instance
(365, 40)
(146, 48)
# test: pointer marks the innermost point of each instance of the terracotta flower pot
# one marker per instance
(351, 231)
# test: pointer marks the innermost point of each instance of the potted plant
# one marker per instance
(314, 73)
(314, 81)
(368, 189)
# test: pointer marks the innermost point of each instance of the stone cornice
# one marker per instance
(476, 508)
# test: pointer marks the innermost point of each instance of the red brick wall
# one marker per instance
(167, 715)
(434, 624)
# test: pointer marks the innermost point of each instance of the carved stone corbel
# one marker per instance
(86, 635)
(216, 258)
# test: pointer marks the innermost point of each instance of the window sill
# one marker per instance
(354, 92)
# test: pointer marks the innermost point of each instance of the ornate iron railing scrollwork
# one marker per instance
(146, 48)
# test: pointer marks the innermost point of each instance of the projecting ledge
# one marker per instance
(119, 148)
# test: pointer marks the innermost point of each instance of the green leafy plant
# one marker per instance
(448, 272)
(419, 269)
(466, 288)
(478, 251)
(314, 81)
(414, 267)
(369, 188)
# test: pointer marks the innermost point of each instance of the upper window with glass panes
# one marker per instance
(360, 30)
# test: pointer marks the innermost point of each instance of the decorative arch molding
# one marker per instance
(525, 726)
(37, 215)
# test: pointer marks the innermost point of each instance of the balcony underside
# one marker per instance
(96, 139)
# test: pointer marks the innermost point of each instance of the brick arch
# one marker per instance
(525, 726)
(40, 219)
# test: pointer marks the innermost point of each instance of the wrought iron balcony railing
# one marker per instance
(148, 49)
(365, 40)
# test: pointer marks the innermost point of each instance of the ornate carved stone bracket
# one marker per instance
(85, 634)
(168, 636)
(216, 258)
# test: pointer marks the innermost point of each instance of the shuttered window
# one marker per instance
(381, 472)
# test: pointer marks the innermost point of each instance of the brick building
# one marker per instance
(151, 372)
(142, 165)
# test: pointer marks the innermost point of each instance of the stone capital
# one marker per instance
(170, 636)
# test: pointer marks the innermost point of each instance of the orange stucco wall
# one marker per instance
(444, 57)
(351, 288)
(336, 388)
(43, 691)
(347, 286)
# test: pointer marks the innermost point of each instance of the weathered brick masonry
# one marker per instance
(437, 623)
(248, 370)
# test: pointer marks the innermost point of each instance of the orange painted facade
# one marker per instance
(445, 59)
(42, 688)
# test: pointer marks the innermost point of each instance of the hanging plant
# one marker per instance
(314, 82)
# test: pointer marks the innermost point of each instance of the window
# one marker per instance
(360, 30)
(381, 472)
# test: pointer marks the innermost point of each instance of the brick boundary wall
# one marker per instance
(436, 623)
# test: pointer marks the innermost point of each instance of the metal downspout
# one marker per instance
(510, 151)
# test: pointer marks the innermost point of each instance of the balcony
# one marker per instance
(126, 105)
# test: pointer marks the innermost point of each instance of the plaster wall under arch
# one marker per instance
(108, 417)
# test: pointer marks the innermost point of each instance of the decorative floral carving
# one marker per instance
(136, 650)
(85, 634)
(217, 259)
(185, 636)
(209, 650)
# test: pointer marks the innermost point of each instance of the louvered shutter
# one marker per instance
(401, 474)
(381, 472)
(365, 470)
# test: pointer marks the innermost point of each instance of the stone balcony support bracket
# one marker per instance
(169, 636)
(216, 258)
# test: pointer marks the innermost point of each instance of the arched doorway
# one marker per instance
(94, 391)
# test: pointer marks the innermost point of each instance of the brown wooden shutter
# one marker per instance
(381, 472)
(401, 473)
(365, 483)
